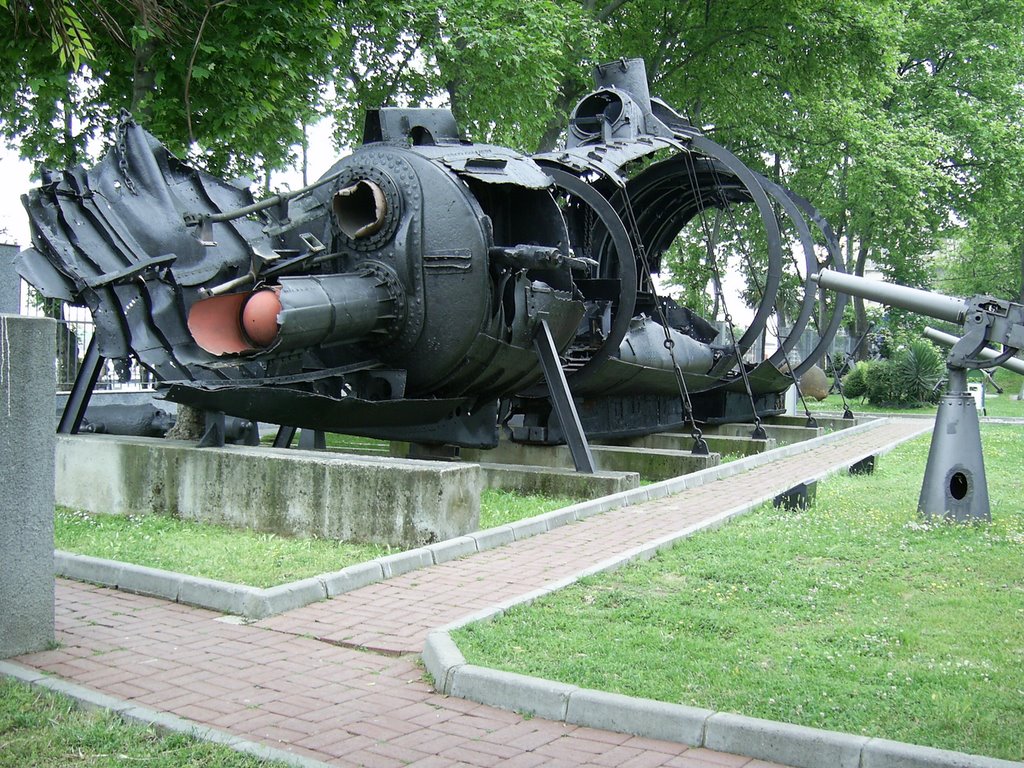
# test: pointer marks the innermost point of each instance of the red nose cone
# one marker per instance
(259, 317)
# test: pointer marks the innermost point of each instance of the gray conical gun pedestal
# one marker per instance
(954, 481)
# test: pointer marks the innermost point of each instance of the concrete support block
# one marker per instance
(640, 717)
(353, 577)
(881, 753)
(826, 422)
(650, 464)
(681, 441)
(298, 493)
(441, 657)
(782, 434)
(793, 745)
(555, 481)
(27, 424)
(507, 690)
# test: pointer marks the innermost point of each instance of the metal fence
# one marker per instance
(74, 332)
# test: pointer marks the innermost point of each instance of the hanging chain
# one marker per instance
(711, 239)
(700, 445)
(121, 148)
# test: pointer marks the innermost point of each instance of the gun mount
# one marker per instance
(954, 482)
(426, 288)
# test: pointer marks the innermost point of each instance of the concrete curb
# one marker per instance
(87, 698)
(254, 603)
(793, 745)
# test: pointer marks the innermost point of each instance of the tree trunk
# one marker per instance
(860, 315)
(190, 424)
(143, 78)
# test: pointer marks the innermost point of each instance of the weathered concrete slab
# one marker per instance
(10, 281)
(649, 463)
(27, 423)
(782, 434)
(828, 422)
(674, 441)
(556, 481)
(290, 492)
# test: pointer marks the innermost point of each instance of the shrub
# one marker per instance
(910, 378)
(919, 369)
(882, 383)
(855, 382)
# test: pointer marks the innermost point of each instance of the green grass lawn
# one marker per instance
(853, 615)
(44, 730)
(244, 557)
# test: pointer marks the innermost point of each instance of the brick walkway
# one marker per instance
(339, 681)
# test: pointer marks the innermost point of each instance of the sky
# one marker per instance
(14, 182)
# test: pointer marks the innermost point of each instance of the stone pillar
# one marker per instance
(10, 281)
(27, 439)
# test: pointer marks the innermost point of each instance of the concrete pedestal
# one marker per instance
(378, 500)
(27, 424)
(10, 281)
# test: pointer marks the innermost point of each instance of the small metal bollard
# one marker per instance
(865, 466)
(800, 496)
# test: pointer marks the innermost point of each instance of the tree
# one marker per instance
(225, 83)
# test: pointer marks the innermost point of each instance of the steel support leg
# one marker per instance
(312, 440)
(81, 391)
(561, 400)
(285, 435)
(213, 433)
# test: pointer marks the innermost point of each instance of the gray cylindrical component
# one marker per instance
(954, 485)
(325, 309)
(629, 75)
(644, 344)
(27, 436)
(1014, 364)
(916, 300)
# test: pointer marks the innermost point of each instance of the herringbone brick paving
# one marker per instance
(310, 682)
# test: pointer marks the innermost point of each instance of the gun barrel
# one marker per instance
(1014, 364)
(935, 305)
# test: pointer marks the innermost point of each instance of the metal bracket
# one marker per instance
(561, 400)
(81, 391)
(285, 435)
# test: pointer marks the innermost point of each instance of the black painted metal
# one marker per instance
(284, 436)
(561, 400)
(401, 295)
(78, 400)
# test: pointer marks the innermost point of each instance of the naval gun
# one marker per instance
(954, 484)
(430, 289)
